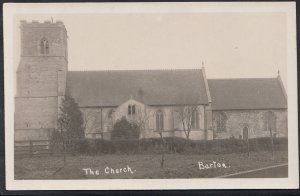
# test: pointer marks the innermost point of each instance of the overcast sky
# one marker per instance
(230, 45)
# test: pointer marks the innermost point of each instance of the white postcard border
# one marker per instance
(10, 9)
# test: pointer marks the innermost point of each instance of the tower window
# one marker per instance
(44, 46)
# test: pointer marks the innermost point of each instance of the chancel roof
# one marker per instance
(253, 93)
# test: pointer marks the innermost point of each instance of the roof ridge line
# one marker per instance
(239, 78)
(110, 70)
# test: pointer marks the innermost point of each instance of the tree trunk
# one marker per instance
(162, 159)
(64, 156)
(64, 151)
(139, 146)
(163, 151)
(272, 143)
(248, 148)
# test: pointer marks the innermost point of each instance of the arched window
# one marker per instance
(131, 109)
(269, 121)
(220, 122)
(245, 132)
(44, 46)
(195, 119)
(159, 121)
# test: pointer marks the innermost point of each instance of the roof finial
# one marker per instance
(202, 64)
(278, 72)
(51, 19)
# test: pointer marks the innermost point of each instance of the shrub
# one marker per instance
(124, 130)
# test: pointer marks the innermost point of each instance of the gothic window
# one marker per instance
(220, 122)
(269, 119)
(159, 121)
(245, 132)
(44, 46)
(195, 119)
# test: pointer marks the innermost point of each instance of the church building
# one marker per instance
(160, 101)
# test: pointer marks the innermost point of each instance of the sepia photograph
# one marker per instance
(151, 95)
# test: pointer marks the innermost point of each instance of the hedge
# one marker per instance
(176, 145)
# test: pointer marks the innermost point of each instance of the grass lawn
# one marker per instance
(143, 166)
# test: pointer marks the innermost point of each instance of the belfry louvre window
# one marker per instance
(159, 121)
(131, 109)
(195, 119)
(44, 45)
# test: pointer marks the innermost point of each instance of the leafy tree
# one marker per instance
(70, 119)
(125, 130)
(69, 125)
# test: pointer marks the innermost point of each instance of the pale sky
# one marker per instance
(231, 45)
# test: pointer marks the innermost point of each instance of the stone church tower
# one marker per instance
(41, 79)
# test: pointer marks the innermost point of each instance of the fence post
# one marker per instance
(51, 147)
(30, 148)
(248, 147)
(139, 145)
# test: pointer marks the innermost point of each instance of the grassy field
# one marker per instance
(143, 166)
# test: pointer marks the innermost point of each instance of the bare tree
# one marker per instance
(90, 121)
(142, 120)
(270, 125)
(163, 142)
(186, 113)
(272, 142)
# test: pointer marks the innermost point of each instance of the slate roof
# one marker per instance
(152, 87)
(254, 93)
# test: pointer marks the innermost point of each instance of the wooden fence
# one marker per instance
(30, 148)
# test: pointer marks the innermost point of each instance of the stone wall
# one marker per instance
(41, 80)
(172, 123)
(236, 120)
(95, 127)
(33, 114)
